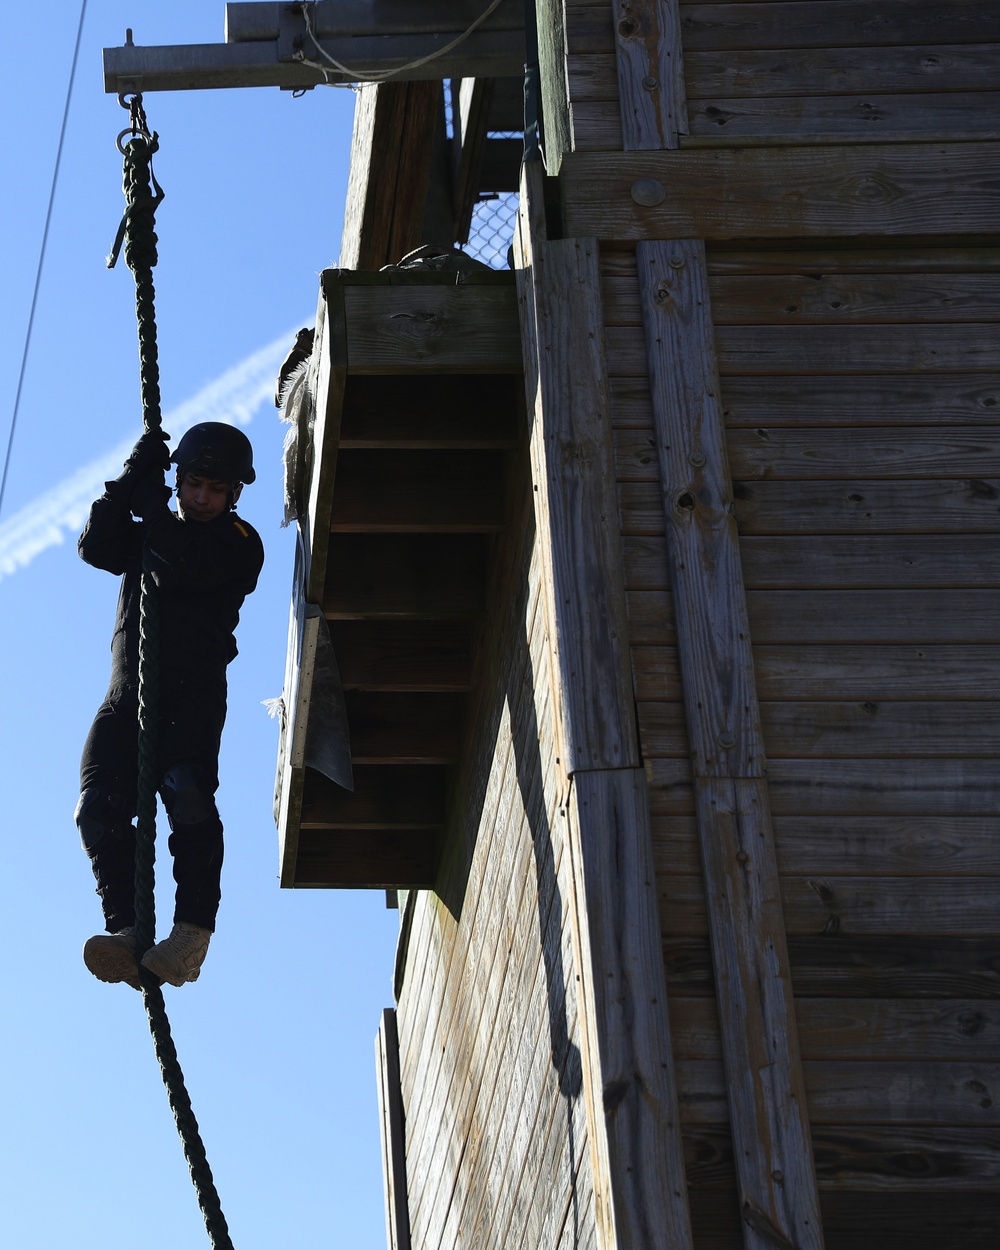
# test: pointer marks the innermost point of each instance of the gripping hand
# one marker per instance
(149, 453)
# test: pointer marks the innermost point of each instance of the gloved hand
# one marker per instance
(150, 497)
(150, 452)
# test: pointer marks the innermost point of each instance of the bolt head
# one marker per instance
(648, 193)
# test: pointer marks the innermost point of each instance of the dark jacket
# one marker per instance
(203, 569)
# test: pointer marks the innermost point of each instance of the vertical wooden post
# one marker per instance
(392, 1132)
(628, 1077)
(553, 81)
(651, 92)
(770, 1127)
(394, 129)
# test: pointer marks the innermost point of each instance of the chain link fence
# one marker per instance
(492, 230)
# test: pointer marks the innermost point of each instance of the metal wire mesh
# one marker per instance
(492, 230)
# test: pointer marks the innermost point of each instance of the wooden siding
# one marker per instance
(497, 1149)
(866, 494)
(793, 71)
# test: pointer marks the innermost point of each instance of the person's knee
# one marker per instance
(100, 816)
(187, 795)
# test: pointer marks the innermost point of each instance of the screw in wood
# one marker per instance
(697, 458)
(727, 740)
(676, 262)
(650, 83)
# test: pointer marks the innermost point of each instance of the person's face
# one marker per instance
(203, 498)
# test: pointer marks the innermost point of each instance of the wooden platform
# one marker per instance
(418, 410)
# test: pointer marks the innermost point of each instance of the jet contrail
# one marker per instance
(235, 397)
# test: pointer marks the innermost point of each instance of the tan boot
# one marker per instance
(178, 958)
(111, 957)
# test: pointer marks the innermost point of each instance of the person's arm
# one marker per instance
(110, 537)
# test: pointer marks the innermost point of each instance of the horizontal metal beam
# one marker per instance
(251, 20)
(259, 63)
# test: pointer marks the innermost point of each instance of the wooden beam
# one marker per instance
(778, 1194)
(628, 1085)
(199, 67)
(575, 496)
(392, 1128)
(394, 128)
(471, 328)
(779, 192)
(430, 576)
(650, 73)
(382, 859)
(330, 347)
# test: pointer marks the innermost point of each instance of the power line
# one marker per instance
(41, 255)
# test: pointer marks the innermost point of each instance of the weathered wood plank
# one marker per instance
(886, 786)
(849, 787)
(823, 70)
(868, 118)
(384, 859)
(817, 729)
(865, 506)
(783, 452)
(956, 617)
(444, 329)
(330, 351)
(757, 258)
(410, 728)
(572, 464)
(381, 491)
(828, 298)
(433, 576)
(828, 191)
(384, 797)
(848, 966)
(871, 845)
(859, 1092)
(403, 655)
(878, 672)
(859, 1028)
(932, 72)
(392, 1132)
(626, 1018)
(806, 120)
(834, 349)
(892, 1160)
(838, 561)
(899, 451)
(835, 23)
(394, 126)
(652, 109)
(957, 256)
(694, 494)
(776, 1178)
(446, 411)
(957, 906)
(963, 506)
(932, 399)
(550, 28)
(765, 1092)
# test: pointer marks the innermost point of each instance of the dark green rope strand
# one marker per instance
(142, 196)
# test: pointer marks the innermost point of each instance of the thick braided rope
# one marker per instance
(140, 255)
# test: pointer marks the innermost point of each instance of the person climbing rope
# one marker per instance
(204, 560)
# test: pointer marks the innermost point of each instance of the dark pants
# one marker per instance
(192, 713)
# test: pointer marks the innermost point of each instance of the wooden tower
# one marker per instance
(663, 582)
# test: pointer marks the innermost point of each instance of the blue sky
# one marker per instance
(276, 1039)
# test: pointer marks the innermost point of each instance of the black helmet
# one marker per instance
(215, 450)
